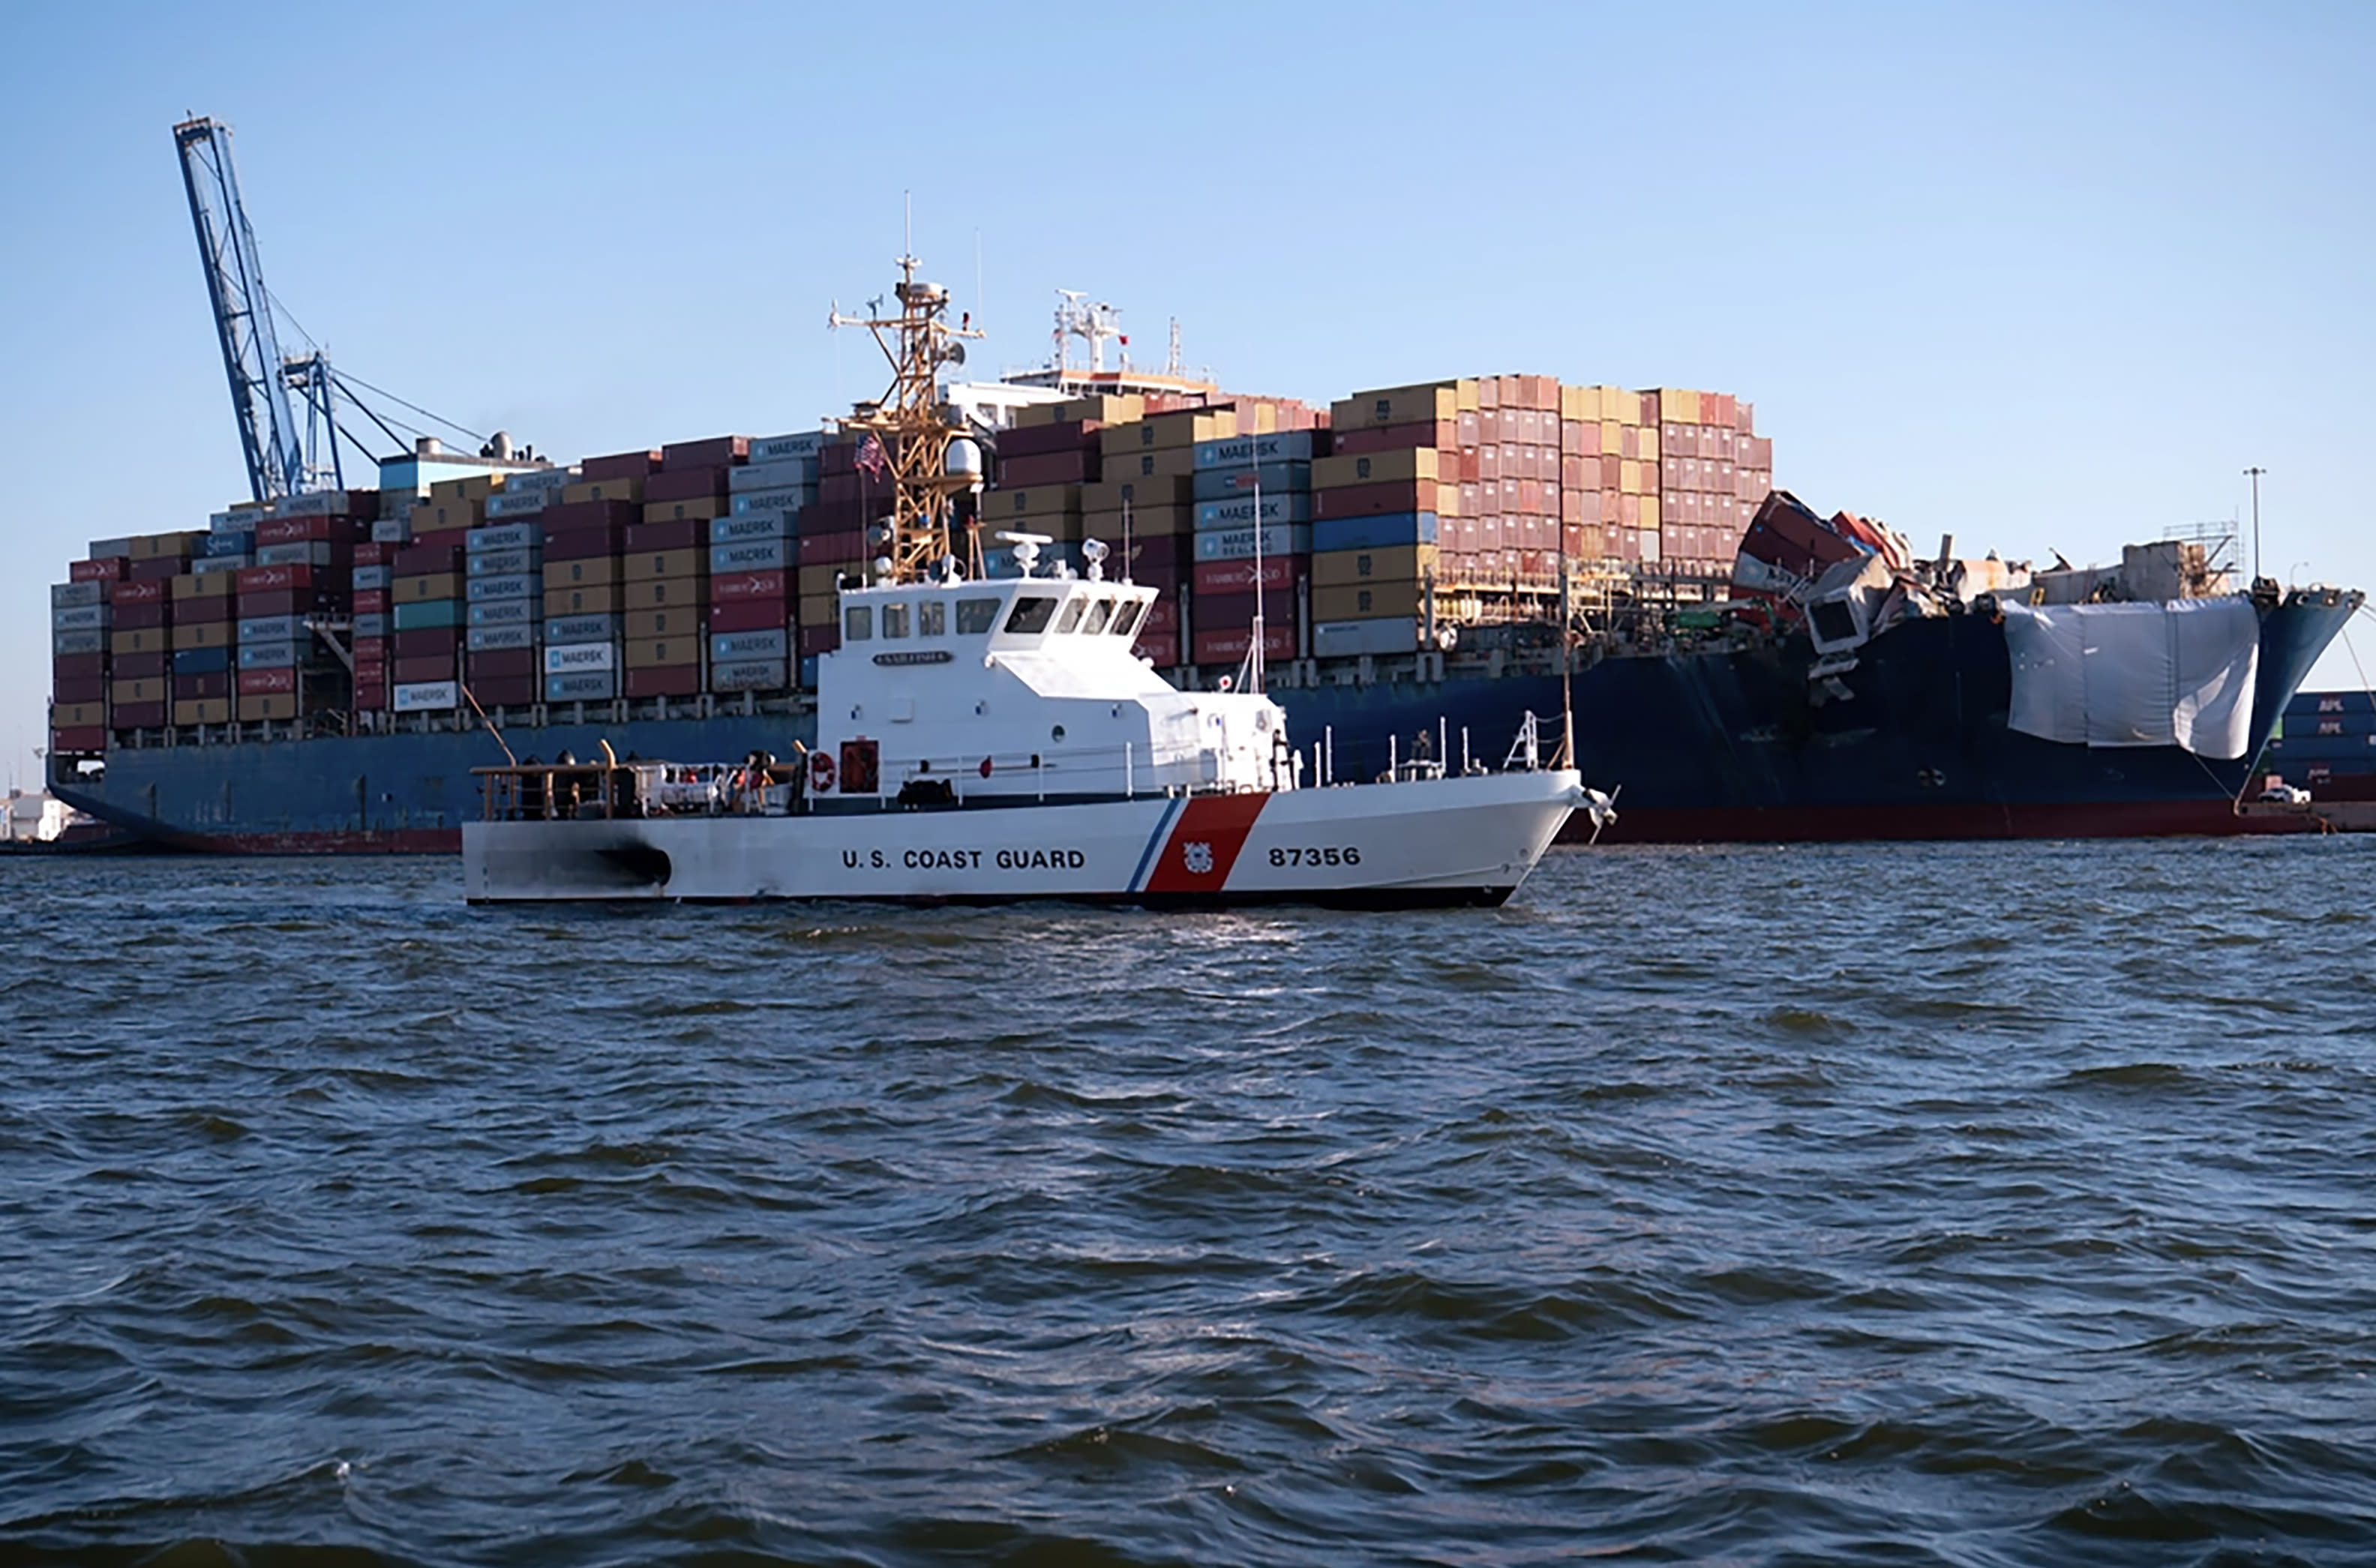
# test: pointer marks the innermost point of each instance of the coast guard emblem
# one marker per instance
(1197, 858)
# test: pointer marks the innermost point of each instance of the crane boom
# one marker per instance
(251, 347)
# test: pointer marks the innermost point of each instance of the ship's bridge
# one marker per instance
(950, 691)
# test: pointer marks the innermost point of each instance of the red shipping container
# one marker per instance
(1228, 645)
(158, 568)
(819, 639)
(832, 549)
(422, 641)
(1076, 467)
(90, 689)
(685, 484)
(288, 602)
(664, 681)
(426, 560)
(371, 602)
(570, 516)
(1374, 499)
(1278, 575)
(264, 683)
(714, 452)
(743, 585)
(423, 667)
(497, 662)
(506, 691)
(214, 683)
(841, 457)
(107, 571)
(749, 615)
(370, 699)
(1146, 550)
(821, 516)
(1163, 615)
(590, 543)
(79, 667)
(618, 465)
(137, 716)
(138, 591)
(680, 533)
(1443, 435)
(92, 738)
(141, 617)
(1037, 439)
(372, 553)
(293, 530)
(271, 579)
(139, 666)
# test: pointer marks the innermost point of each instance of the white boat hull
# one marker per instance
(1461, 840)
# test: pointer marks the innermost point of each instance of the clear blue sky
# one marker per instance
(2045, 277)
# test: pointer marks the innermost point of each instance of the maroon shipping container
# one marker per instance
(497, 662)
(79, 667)
(1166, 579)
(1227, 645)
(841, 457)
(832, 549)
(423, 667)
(679, 533)
(664, 681)
(442, 538)
(372, 553)
(86, 738)
(427, 560)
(140, 617)
(1029, 443)
(1163, 616)
(138, 591)
(91, 688)
(819, 639)
(1074, 466)
(371, 602)
(506, 691)
(140, 666)
(1443, 435)
(1278, 575)
(568, 516)
(273, 580)
(290, 601)
(619, 465)
(264, 682)
(584, 543)
(839, 517)
(137, 716)
(750, 615)
(1147, 550)
(214, 683)
(420, 642)
(293, 530)
(107, 571)
(747, 584)
(716, 452)
(844, 490)
(205, 611)
(160, 568)
(1375, 500)
(684, 484)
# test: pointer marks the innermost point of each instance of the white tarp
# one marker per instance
(2174, 674)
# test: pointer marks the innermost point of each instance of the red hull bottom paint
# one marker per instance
(1841, 825)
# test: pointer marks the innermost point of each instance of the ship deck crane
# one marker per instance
(251, 346)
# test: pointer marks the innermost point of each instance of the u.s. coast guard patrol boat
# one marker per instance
(986, 741)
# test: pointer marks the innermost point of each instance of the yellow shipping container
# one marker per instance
(202, 710)
(599, 600)
(258, 706)
(1145, 522)
(1184, 427)
(1629, 478)
(1400, 562)
(1007, 506)
(592, 571)
(149, 688)
(214, 585)
(434, 516)
(645, 564)
(817, 609)
(78, 715)
(1612, 438)
(1424, 403)
(666, 593)
(596, 490)
(155, 546)
(680, 623)
(147, 639)
(658, 653)
(1357, 602)
(700, 509)
(1145, 493)
(820, 583)
(1161, 462)
(1377, 468)
(428, 586)
(203, 633)
(1678, 406)
(1650, 510)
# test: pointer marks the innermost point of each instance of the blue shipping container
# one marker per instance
(201, 660)
(426, 615)
(1383, 531)
(1284, 508)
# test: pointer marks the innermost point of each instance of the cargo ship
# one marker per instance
(1407, 570)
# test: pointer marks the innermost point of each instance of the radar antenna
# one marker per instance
(909, 423)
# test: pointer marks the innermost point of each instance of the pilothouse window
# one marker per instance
(975, 616)
(1126, 617)
(1072, 616)
(932, 619)
(894, 619)
(857, 623)
(1031, 613)
(1099, 613)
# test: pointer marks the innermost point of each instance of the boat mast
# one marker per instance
(912, 425)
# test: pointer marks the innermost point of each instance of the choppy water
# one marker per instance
(1933, 1203)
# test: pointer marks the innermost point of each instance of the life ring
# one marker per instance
(821, 771)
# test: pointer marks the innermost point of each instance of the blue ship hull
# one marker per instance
(1712, 745)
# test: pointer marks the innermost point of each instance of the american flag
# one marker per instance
(871, 455)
